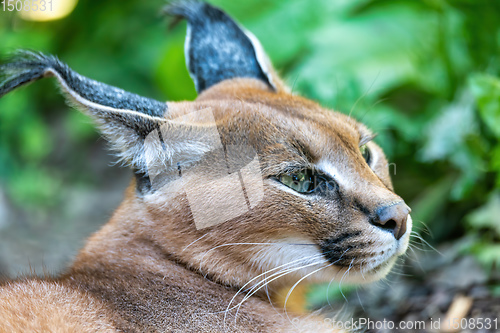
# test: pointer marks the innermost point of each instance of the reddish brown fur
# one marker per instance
(150, 269)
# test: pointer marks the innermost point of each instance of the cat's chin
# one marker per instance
(363, 276)
(380, 271)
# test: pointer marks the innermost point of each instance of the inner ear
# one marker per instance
(217, 48)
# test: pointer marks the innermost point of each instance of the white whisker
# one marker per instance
(231, 244)
(280, 269)
(282, 273)
(295, 285)
(416, 235)
(194, 242)
(342, 278)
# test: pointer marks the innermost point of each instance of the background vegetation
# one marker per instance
(423, 74)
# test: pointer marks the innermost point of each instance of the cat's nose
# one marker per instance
(392, 218)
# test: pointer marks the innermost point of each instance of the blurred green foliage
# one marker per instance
(423, 74)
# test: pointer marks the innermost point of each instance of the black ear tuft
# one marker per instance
(124, 118)
(28, 66)
(217, 48)
(23, 68)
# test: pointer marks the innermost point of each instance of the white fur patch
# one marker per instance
(91, 105)
(262, 58)
(329, 169)
(374, 154)
(187, 44)
(299, 256)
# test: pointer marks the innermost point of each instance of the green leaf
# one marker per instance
(487, 216)
(321, 294)
(486, 90)
(172, 77)
(495, 163)
(432, 200)
(488, 254)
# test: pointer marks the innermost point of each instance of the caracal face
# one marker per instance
(344, 222)
(249, 179)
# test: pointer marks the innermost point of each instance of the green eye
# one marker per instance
(302, 181)
(365, 151)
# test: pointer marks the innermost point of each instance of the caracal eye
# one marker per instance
(302, 181)
(365, 151)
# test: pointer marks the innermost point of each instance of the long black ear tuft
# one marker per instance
(217, 48)
(28, 66)
(124, 118)
(23, 68)
(138, 128)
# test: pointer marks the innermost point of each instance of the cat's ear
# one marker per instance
(217, 48)
(136, 126)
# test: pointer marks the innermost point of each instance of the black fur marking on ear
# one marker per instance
(217, 49)
(28, 66)
(143, 183)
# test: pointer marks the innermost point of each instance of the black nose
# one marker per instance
(392, 218)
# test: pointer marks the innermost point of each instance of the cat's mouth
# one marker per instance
(352, 250)
(359, 262)
(364, 264)
(363, 272)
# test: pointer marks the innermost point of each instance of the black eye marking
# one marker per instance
(308, 181)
